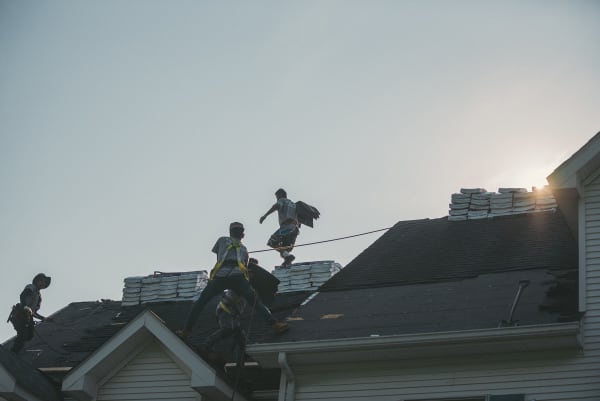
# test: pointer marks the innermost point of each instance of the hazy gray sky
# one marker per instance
(133, 132)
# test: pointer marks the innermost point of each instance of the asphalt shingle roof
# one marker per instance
(436, 275)
(430, 250)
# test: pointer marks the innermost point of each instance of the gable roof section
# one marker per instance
(427, 251)
(19, 380)
(83, 381)
(577, 167)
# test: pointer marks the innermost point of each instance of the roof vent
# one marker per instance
(161, 287)
(477, 203)
(308, 276)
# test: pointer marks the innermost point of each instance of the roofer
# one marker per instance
(228, 314)
(285, 237)
(22, 314)
(230, 272)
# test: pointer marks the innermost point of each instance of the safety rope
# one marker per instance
(324, 241)
(240, 360)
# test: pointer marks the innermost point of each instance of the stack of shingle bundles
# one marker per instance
(150, 289)
(480, 205)
(459, 206)
(523, 202)
(191, 284)
(307, 276)
(167, 290)
(283, 275)
(544, 200)
(132, 291)
(322, 271)
(501, 204)
(300, 277)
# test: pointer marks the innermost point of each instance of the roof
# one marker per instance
(428, 276)
(27, 377)
(434, 250)
(82, 327)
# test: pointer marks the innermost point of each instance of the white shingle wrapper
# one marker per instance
(460, 198)
(461, 212)
(511, 190)
(458, 206)
(472, 190)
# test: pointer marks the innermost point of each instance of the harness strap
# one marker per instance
(238, 255)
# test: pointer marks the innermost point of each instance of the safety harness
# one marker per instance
(219, 264)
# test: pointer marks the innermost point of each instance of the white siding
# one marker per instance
(150, 375)
(550, 376)
(562, 375)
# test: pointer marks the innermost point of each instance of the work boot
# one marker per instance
(280, 327)
(288, 259)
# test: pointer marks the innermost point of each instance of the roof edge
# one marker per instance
(565, 175)
(502, 339)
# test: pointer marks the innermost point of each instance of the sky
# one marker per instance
(133, 132)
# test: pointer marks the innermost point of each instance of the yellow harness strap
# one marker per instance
(238, 257)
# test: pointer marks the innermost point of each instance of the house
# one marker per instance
(498, 303)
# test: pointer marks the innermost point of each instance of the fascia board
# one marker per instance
(420, 345)
(566, 175)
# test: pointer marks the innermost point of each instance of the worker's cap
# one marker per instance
(235, 224)
(42, 276)
(281, 192)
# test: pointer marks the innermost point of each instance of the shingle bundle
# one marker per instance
(160, 287)
(306, 276)
(476, 203)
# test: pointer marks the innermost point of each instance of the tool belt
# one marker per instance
(18, 317)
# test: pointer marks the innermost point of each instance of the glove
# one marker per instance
(28, 311)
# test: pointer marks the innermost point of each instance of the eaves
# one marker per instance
(410, 346)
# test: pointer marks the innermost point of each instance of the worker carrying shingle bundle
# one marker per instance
(22, 314)
(291, 216)
(231, 273)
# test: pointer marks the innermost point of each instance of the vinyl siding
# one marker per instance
(561, 375)
(151, 375)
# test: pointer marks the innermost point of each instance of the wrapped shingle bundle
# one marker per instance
(308, 276)
(544, 200)
(501, 204)
(132, 291)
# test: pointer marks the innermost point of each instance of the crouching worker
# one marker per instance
(228, 313)
(230, 273)
(22, 314)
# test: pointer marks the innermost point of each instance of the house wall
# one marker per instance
(151, 375)
(591, 284)
(560, 375)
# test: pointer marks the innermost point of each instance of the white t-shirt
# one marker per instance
(286, 209)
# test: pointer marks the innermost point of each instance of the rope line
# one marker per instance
(321, 242)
